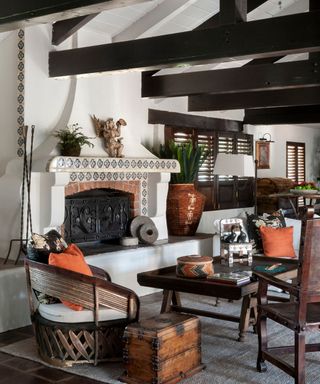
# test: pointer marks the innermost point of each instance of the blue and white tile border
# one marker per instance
(20, 93)
(112, 164)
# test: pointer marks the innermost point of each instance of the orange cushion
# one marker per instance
(72, 259)
(277, 242)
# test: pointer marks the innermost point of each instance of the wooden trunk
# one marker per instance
(163, 349)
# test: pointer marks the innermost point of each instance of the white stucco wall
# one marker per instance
(8, 104)
(310, 135)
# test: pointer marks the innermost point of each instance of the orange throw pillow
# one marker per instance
(277, 242)
(73, 260)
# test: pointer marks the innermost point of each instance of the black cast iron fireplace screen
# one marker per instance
(96, 215)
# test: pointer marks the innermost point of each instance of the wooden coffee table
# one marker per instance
(166, 279)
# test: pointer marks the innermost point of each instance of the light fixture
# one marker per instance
(265, 139)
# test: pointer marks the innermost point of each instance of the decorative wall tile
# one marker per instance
(20, 93)
(97, 164)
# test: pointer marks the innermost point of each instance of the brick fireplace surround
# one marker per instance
(132, 187)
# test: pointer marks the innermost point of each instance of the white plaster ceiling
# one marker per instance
(158, 17)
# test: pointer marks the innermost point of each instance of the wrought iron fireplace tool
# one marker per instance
(26, 185)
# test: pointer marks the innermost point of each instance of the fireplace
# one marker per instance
(96, 215)
(144, 180)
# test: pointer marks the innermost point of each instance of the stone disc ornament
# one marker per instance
(137, 222)
(147, 233)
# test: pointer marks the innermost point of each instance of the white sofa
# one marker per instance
(296, 224)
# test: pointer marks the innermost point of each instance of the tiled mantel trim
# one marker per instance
(110, 164)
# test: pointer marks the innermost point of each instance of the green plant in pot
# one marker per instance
(184, 203)
(71, 140)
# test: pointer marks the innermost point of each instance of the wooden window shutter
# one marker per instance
(222, 192)
(296, 161)
(206, 178)
(244, 144)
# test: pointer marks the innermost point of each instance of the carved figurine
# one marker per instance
(111, 133)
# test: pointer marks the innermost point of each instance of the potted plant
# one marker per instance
(184, 203)
(71, 140)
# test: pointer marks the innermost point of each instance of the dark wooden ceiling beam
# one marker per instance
(16, 14)
(214, 20)
(250, 100)
(285, 115)
(234, 80)
(210, 45)
(232, 11)
(175, 119)
(63, 29)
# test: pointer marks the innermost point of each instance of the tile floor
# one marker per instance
(23, 371)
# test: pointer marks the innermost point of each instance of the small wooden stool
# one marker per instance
(163, 349)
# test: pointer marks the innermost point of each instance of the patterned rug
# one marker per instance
(227, 360)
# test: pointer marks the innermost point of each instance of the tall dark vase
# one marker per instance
(184, 209)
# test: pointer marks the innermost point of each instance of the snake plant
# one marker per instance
(189, 156)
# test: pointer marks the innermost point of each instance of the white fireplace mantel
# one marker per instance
(153, 174)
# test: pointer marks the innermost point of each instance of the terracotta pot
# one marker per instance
(184, 209)
(71, 150)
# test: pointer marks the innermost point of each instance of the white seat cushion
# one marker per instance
(62, 314)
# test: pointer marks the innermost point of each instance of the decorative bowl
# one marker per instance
(194, 266)
(304, 191)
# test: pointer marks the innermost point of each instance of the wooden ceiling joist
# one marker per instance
(252, 100)
(175, 119)
(244, 79)
(18, 14)
(232, 11)
(283, 115)
(211, 45)
(63, 29)
(215, 19)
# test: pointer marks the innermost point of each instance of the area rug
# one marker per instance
(227, 360)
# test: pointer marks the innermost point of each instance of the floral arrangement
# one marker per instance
(305, 185)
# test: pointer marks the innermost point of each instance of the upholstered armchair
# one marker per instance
(65, 336)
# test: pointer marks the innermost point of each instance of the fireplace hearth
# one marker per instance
(96, 215)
